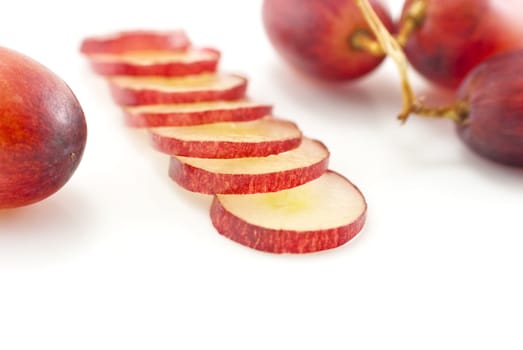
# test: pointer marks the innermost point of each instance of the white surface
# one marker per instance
(121, 258)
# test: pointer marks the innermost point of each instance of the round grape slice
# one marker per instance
(322, 214)
(254, 174)
(185, 114)
(156, 63)
(256, 138)
(135, 91)
(135, 40)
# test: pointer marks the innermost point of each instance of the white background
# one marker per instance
(122, 258)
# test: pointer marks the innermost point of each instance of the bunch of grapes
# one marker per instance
(470, 46)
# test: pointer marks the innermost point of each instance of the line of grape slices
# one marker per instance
(271, 186)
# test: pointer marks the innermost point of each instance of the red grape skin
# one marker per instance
(494, 94)
(456, 35)
(314, 36)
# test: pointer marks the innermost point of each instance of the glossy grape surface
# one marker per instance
(494, 93)
(315, 36)
(454, 36)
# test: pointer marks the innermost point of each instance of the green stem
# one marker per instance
(457, 112)
(364, 41)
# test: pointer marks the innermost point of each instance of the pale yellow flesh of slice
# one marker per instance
(199, 82)
(262, 130)
(192, 107)
(327, 202)
(151, 57)
(308, 153)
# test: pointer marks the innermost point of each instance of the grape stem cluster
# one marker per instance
(393, 47)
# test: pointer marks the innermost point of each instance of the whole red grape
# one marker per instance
(317, 36)
(454, 36)
(43, 131)
(493, 92)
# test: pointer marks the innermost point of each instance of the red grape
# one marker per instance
(318, 36)
(453, 36)
(488, 108)
(493, 92)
